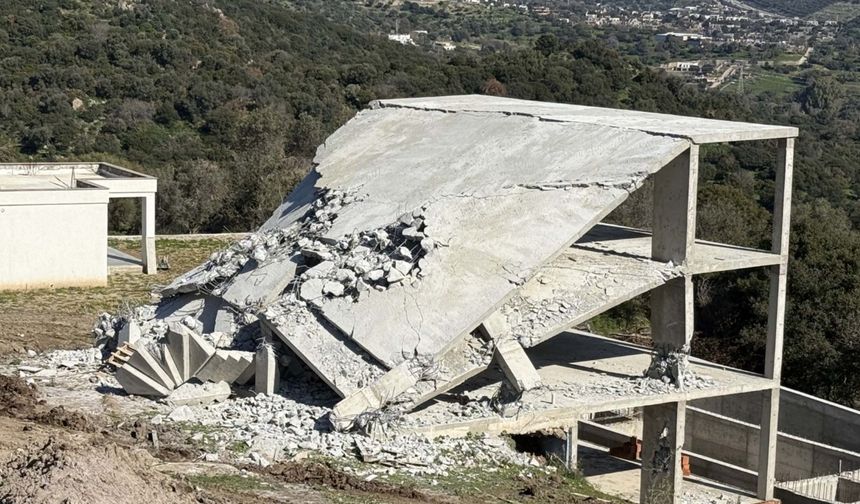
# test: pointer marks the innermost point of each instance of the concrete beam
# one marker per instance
(509, 353)
(662, 442)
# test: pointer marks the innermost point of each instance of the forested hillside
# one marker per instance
(226, 100)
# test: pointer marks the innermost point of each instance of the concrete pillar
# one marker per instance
(570, 446)
(147, 232)
(662, 441)
(267, 379)
(674, 228)
(673, 238)
(775, 319)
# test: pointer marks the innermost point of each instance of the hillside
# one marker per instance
(226, 100)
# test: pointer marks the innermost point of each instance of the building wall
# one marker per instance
(735, 442)
(800, 415)
(53, 238)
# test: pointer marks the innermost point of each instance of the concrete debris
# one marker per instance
(193, 394)
(283, 426)
(227, 366)
(336, 359)
(671, 365)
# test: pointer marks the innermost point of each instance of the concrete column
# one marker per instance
(674, 229)
(570, 447)
(662, 441)
(775, 319)
(673, 238)
(147, 232)
(672, 312)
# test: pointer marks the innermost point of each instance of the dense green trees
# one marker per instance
(226, 101)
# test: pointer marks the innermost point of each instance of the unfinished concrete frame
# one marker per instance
(672, 321)
(487, 293)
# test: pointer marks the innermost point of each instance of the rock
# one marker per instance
(427, 244)
(394, 276)
(344, 275)
(403, 266)
(404, 252)
(312, 289)
(376, 275)
(335, 289)
(193, 394)
(181, 414)
(412, 233)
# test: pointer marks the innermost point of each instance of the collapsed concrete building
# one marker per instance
(431, 267)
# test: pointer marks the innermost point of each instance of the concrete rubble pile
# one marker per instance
(381, 271)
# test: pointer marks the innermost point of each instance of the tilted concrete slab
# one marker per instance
(606, 267)
(212, 311)
(697, 129)
(341, 363)
(257, 285)
(502, 194)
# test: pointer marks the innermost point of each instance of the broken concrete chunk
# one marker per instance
(316, 254)
(129, 333)
(335, 289)
(321, 270)
(395, 276)
(412, 233)
(404, 253)
(403, 266)
(427, 244)
(196, 394)
(345, 275)
(312, 289)
(376, 275)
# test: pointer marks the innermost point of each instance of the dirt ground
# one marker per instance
(46, 319)
(53, 454)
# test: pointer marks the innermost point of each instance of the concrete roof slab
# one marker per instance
(696, 129)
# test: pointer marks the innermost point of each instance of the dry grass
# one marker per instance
(62, 318)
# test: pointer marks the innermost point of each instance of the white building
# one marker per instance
(53, 223)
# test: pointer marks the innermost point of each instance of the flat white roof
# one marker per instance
(72, 176)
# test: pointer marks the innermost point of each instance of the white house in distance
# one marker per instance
(53, 223)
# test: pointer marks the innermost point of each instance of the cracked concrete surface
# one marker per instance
(498, 195)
